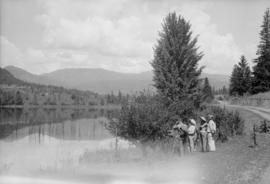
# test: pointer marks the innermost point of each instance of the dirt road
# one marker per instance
(263, 113)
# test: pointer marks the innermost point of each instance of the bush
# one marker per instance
(147, 119)
(229, 123)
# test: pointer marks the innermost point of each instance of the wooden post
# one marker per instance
(264, 129)
(254, 135)
(116, 144)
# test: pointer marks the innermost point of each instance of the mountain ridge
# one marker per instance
(101, 80)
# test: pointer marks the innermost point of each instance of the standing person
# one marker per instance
(191, 134)
(203, 133)
(178, 144)
(211, 130)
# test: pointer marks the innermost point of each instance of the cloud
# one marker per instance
(117, 35)
(31, 59)
(220, 50)
(104, 31)
(9, 53)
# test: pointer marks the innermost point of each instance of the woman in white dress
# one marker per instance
(211, 130)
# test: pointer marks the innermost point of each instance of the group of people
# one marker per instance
(204, 132)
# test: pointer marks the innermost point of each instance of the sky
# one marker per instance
(41, 36)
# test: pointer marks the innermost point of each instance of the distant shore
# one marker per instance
(63, 106)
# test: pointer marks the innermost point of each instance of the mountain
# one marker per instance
(100, 80)
(17, 92)
(8, 78)
(31, 78)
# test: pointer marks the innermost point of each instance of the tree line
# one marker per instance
(243, 80)
(16, 92)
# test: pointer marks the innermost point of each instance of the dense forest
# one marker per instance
(17, 92)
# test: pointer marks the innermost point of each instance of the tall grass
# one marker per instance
(258, 100)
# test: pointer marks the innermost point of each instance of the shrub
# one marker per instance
(229, 123)
(147, 119)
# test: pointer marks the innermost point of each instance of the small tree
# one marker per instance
(18, 98)
(261, 71)
(240, 81)
(175, 64)
(207, 90)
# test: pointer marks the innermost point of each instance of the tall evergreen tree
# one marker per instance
(261, 71)
(234, 81)
(241, 78)
(175, 64)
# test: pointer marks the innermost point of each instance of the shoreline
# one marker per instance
(60, 107)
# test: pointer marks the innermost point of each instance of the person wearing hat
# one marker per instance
(211, 130)
(191, 134)
(203, 133)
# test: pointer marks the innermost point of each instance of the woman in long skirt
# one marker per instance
(210, 133)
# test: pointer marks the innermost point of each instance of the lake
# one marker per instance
(49, 140)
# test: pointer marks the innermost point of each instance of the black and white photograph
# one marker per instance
(134, 91)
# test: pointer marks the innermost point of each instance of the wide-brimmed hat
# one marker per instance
(202, 118)
(192, 121)
(177, 124)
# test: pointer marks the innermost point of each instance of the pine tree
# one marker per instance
(234, 81)
(18, 98)
(241, 78)
(207, 90)
(224, 90)
(246, 75)
(261, 71)
(175, 64)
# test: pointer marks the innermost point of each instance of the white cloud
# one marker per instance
(33, 60)
(9, 53)
(220, 50)
(111, 38)
(118, 35)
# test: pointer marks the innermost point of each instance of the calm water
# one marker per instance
(62, 124)
(34, 140)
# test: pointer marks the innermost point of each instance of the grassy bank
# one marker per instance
(63, 106)
(258, 100)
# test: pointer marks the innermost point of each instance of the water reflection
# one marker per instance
(51, 139)
(67, 124)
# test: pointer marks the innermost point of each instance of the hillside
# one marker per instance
(7, 78)
(17, 92)
(29, 77)
(102, 81)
